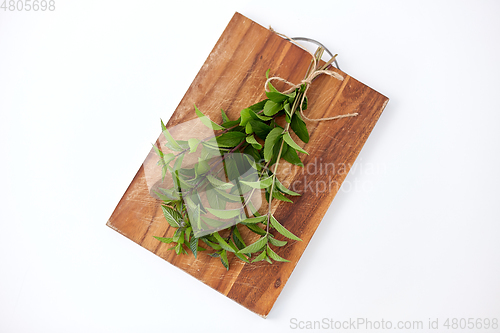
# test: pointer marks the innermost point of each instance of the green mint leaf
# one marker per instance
(170, 193)
(228, 196)
(291, 156)
(287, 108)
(259, 128)
(252, 209)
(225, 119)
(193, 144)
(250, 113)
(280, 196)
(248, 128)
(232, 245)
(225, 214)
(277, 242)
(193, 245)
(230, 139)
(271, 108)
(168, 158)
(215, 200)
(223, 259)
(271, 140)
(273, 255)
(304, 105)
(178, 248)
(284, 189)
(271, 87)
(222, 242)
(276, 97)
(202, 166)
(238, 239)
(158, 151)
(299, 128)
(163, 172)
(230, 123)
(245, 116)
(178, 236)
(264, 183)
(288, 139)
(171, 142)
(260, 257)
(258, 219)
(187, 234)
(181, 239)
(206, 121)
(242, 257)
(211, 244)
(172, 216)
(215, 224)
(252, 152)
(163, 127)
(184, 144)
(261, 117)
(178, 163)
(217, 183)
(255, 228)
(276, 150)
(232, 171)
(166, 240)
(251, 140)
(282, 230)
(258, 106)
(254, 247)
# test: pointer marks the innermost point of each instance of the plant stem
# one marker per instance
(298, 99)
(213, 167)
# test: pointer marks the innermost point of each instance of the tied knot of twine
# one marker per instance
(307, 82)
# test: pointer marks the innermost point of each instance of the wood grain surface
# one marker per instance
(233, 78)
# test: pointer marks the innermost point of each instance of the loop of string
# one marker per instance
(307, 81)
(305, 39)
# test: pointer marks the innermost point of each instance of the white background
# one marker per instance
(82, 90)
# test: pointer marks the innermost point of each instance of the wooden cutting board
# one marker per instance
(233, 78)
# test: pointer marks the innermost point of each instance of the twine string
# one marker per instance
(307, 81)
